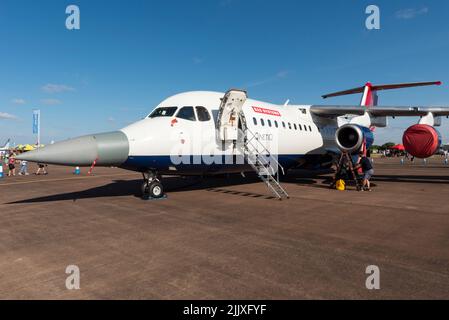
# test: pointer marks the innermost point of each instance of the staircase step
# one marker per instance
(263, 167)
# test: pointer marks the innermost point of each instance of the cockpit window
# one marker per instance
(202, 114)
(163, 112)
(186, 113)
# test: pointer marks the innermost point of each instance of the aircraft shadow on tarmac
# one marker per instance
(217, 184)
(171, 184)
(179, 184)
(412, 179)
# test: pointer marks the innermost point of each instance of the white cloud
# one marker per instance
(7, 116)
(278, 76)
(197, 60)
(411, 13)
(18, 101)
(225, 3)
(282, 74)
(56, 88)
(51, 102)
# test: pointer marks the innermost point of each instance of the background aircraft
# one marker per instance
(6, 145)
(198, 133)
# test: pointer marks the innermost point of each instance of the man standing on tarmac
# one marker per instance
(367, 167)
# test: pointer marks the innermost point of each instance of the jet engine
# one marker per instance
(421, 141)
(350, 137)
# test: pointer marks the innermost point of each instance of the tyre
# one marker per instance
(156, 190)
(144, 188)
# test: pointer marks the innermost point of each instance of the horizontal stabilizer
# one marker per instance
(379, 111)
(381, 87)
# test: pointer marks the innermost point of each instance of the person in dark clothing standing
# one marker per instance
(365, 163)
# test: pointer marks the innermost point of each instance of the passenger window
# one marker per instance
(269, 123)
(275, 123)
(202, 114)
(262, 122)
(255, 121)
(305, 128)
(283, 124)
(295, 126)
(163, 112)
(300, 127)
(289, 125)
(310, 128)
(186, 113)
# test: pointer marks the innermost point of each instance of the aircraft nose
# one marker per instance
(108, 149)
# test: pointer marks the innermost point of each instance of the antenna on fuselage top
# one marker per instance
(287, 102)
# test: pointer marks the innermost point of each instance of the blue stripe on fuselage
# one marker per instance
(203, 165)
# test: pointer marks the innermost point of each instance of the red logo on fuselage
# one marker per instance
(267, 111)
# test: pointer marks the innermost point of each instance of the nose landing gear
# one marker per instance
(152, 187)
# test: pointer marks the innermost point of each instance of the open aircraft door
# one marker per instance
(229, 115)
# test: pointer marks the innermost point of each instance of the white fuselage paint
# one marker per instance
(160, 137)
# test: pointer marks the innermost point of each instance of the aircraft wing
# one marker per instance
(332, 111)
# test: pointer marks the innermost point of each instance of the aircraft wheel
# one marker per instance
(156, 190)
(144, 188)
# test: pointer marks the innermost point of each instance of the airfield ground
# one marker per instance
(225, 238)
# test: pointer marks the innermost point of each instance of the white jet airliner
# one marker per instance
(201, 133)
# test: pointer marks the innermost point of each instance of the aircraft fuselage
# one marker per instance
(170, 144)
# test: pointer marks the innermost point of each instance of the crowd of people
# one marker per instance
(9, 160)
(407, 156)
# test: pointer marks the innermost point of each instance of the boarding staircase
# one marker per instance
(263, 163)
(230, 116)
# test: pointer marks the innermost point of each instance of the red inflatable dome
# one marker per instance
(421, 140)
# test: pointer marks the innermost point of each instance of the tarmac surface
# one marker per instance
(225, 237)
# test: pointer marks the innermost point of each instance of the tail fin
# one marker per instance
(6, 146)
(369, 91)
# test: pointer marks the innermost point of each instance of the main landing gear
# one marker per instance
(151, 187)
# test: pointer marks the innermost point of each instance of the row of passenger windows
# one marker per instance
(186, 113)
(284, 125)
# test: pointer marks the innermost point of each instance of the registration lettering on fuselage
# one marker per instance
(264, 136)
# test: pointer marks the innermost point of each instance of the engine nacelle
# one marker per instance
(421, 140)
(350, 137)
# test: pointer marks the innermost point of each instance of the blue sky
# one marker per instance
(130, 55)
